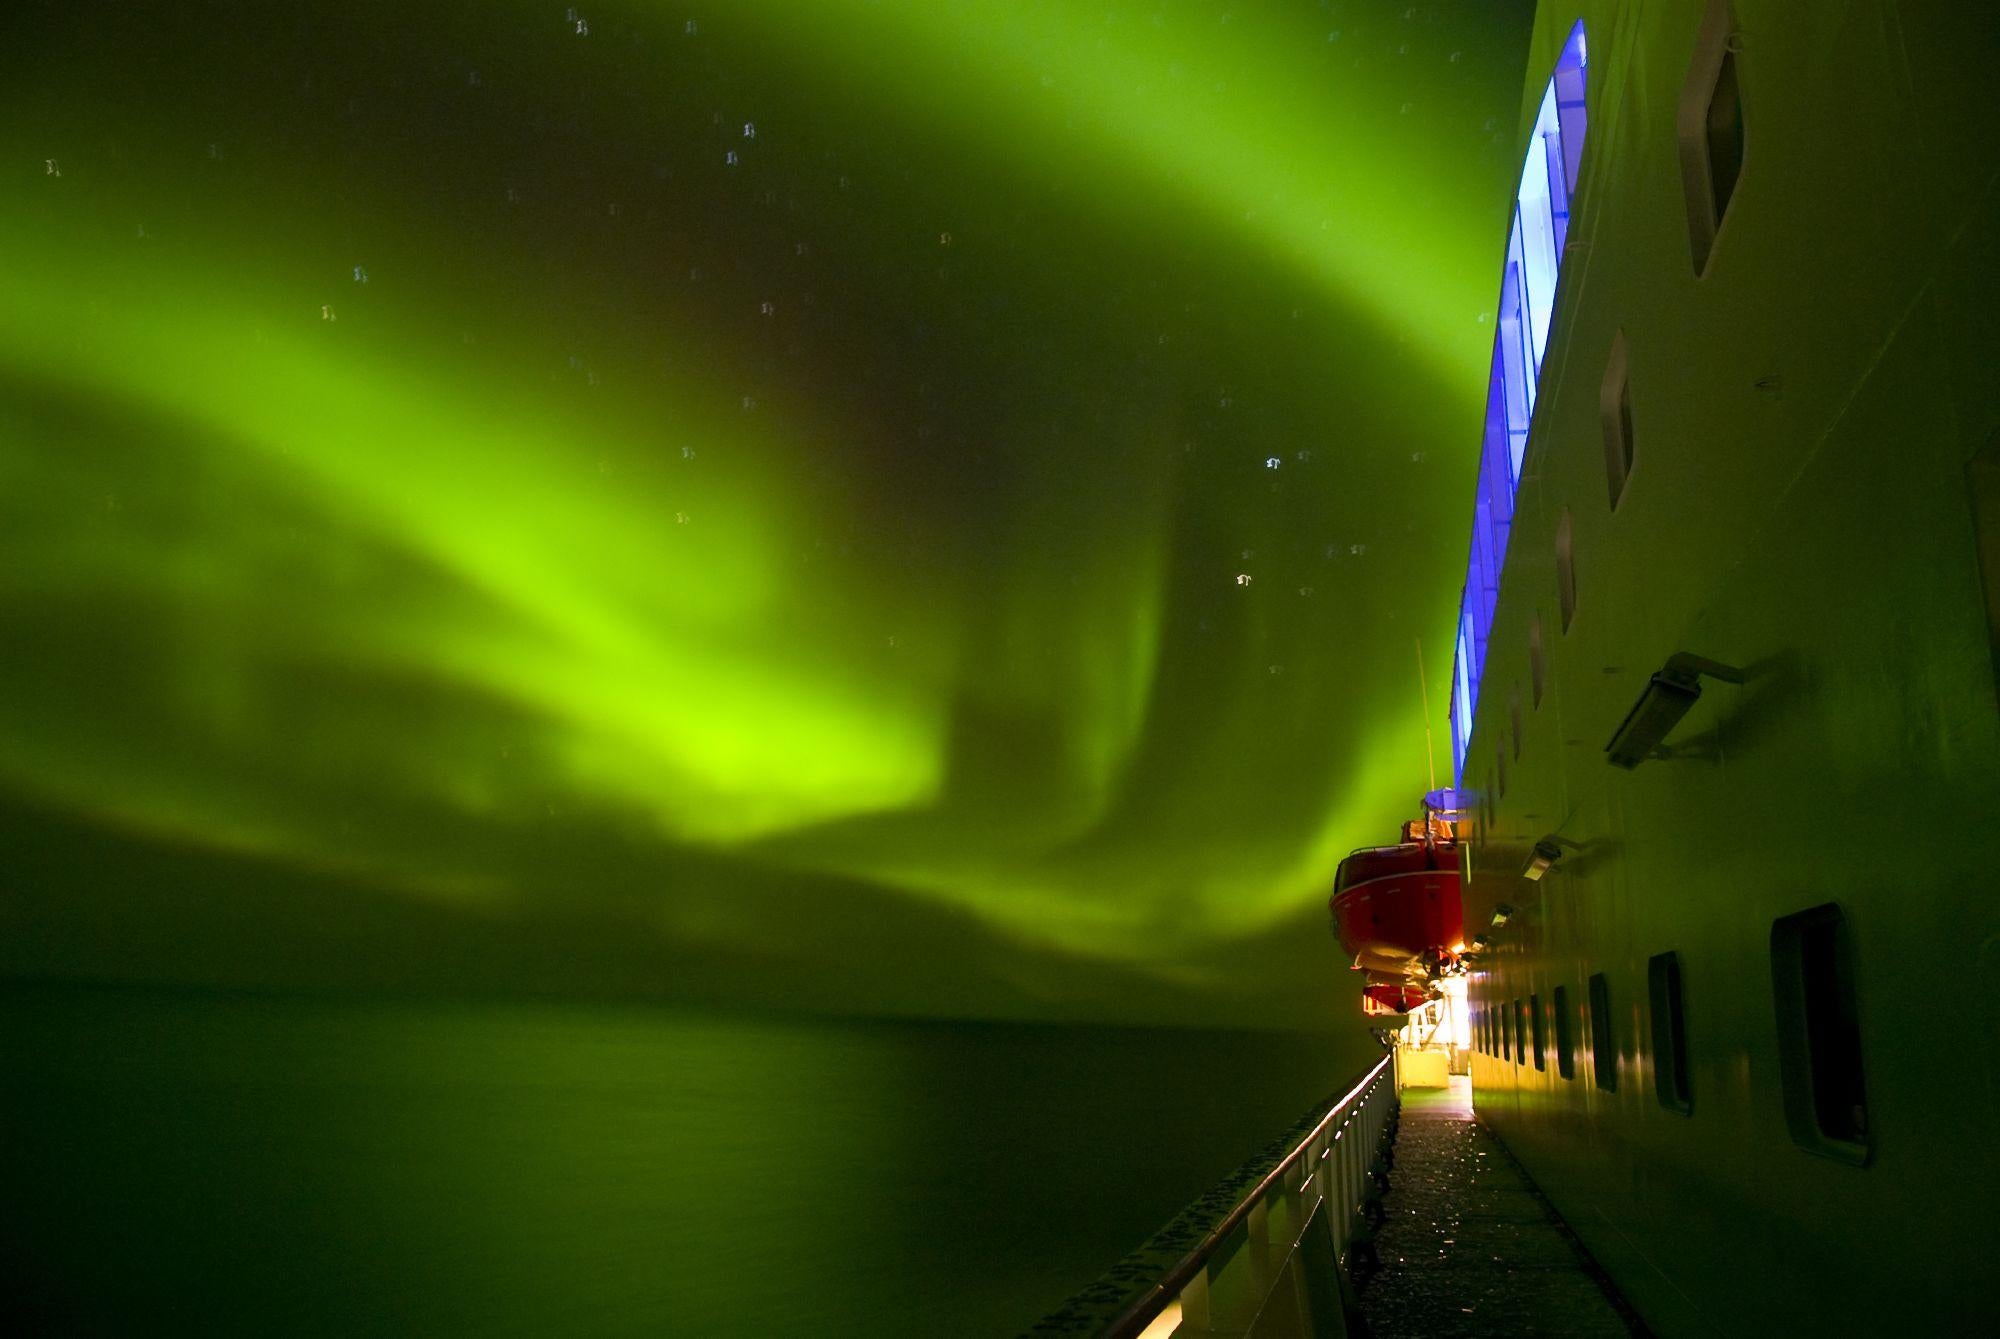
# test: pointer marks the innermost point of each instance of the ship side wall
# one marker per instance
(1804, 415)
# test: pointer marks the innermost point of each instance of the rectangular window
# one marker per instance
(1603, 1046)
(1535, 660)
(1520, 1034)
(1724, 123)
(1535, 1030)
(1615, 413)
(1711, 129)
(1819, 1034)
(1506, 1042)
(1670, 1048)
(1983, 477)
(1565, 571)
(1565, 1036)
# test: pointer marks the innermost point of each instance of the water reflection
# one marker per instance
(254, 1164)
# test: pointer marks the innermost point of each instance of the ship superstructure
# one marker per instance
(1725, 688)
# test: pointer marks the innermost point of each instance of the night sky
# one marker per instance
(909, 506)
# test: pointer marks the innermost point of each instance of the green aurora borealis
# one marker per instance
(750, 502)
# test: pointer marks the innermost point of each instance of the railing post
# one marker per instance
(1195, 1315)
(1355, 1168)
(1343, 1148)
(1257, 1247)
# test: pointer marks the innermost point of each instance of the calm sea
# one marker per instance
(238, 1164)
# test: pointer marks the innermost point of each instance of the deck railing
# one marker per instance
(1269, 1259)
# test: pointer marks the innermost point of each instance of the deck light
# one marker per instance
(1659, 709)
(1545, 855)
(1541, 860)
(1500, 914)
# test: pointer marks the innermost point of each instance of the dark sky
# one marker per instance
(880, 505)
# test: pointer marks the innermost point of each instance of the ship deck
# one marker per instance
(1470, 1247)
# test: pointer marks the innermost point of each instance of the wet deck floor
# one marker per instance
(1469, 1247)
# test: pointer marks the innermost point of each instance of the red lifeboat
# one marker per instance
(1387, 999)
(1397, 912)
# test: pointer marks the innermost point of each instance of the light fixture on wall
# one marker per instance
(1501, 914)
(1544, 857)
(1659, 709)
(1541, 860)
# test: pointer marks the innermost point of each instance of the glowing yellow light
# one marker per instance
(1165, 1323)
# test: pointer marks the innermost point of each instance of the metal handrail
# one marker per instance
(1147, 1307)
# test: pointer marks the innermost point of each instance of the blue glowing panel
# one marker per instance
(1536, 243)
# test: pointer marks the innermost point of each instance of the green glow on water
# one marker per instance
(772, 495)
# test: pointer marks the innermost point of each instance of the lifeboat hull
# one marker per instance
(1391, 999)
(1396, 904)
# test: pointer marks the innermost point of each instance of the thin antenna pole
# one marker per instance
(1424, 688)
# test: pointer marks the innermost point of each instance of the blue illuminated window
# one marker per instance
(1535, 248)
